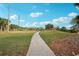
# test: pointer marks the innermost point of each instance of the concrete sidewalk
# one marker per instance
(38, 47)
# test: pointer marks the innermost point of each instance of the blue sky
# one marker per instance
(39, 14)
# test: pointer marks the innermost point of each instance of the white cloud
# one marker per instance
(64, 20)
(13, 17)
(77, 7)
(26, 25)
(34, 23)
(45, 22)
(73, 14)
(68, 26)
(21, 20)
(36, 14)
(60, 20)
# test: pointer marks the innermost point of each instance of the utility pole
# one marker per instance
(8, 18)
(18, 20)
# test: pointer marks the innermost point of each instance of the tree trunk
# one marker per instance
(1, 28)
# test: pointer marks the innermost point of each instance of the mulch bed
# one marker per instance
(68, 46)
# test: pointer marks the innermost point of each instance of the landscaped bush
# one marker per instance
(70, 31)
(73, 31)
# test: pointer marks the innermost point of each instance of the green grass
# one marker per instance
(51, 35)
(15, 43)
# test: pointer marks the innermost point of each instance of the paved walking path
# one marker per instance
(38, 47)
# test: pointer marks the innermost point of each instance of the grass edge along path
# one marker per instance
(51, 35)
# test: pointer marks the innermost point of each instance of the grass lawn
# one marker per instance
(15, 43)
(62, 43)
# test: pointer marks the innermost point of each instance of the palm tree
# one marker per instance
(3, 23)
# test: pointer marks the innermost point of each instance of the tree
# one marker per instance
(14, 27)
(76, 5)
(3, 23)
(49, 26)
(57, 28)
(75, 22)
(63, 29)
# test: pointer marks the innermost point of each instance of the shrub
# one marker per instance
(73, 31)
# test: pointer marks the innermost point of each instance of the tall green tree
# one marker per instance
(3, 23)
(75, 20)
(49, 26)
